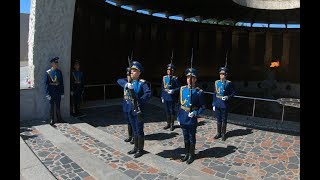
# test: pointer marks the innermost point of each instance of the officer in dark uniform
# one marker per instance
(54, 89)
(141, 93)
(126, 97)
(77, 88)
(223, 92)
(188, 112)
(170, 87)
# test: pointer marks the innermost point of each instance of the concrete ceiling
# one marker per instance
(221, 10)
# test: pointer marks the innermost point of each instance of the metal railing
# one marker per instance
(254, 102)
(206, 92)
(104, 88)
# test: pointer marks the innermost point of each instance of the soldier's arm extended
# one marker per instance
(122, 82)
(82, 82)
(177, 86)
(146, 94)
(202, 103)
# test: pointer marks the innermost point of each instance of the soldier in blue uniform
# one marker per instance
(188, 112)
(54, 89)
(77, 88)
(126, 97)
(170, 87)
(141, 93)
(223, 92)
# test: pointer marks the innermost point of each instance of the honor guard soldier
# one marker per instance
(223, 92)
(77, 89)
(126, 97)
(137, 95)
(54, 90)
(192, 103)
(170, 87)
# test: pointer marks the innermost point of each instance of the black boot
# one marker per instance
(191, 154)
(218, 135)
(52, 115)
(171, 122)
(135, 148)
(140, 147)
(129, 134)
(132, 140)
(168, 122)
(186, 148)
(224, 129)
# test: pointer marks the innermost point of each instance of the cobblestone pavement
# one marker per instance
(117, 160)
(246, 154)
(58, 163)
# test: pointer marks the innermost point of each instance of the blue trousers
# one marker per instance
(169, 106)
(137, 125)
(126, 118)
(189, 133)
(221, 114)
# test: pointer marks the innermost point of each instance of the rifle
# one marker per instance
(170, 80)
(133, 97)
(225, 65)
(191, 81)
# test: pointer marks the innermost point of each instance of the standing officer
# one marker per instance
(190, 108)
(170, 86)
(134, 105)
(223, 91)
(54, 90)
(77, 88)
(126, 98)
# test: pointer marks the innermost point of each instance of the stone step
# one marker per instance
(172, 167)
(91, 165)
(30, 166)
(54, 163)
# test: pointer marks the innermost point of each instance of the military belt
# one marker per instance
(188, 108)
(54, 84)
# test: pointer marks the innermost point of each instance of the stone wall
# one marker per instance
(24, 30)
(50, 35)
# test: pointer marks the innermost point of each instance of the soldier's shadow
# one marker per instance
(172, 154)
(216, 152)
(201, 123)
(239, 132)
(160, 136)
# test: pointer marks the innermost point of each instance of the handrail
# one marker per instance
(206, 92)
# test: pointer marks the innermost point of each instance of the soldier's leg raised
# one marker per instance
(52, 121)
(166, 104)
(224, 124)
(125, 116)
(186, 143)
(140, 126)
(192, 131)
(134, 128)
(172, 115)
(58, 100)
(219, 122)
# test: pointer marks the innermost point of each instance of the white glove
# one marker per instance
(48, 97)
(224, 98)
(129, 85)
(71, 93)
(162, 100)
(191, 114)
(62, 96)
(214, 108)
(170, 91)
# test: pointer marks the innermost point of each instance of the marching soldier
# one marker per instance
(126, 97)
(54, 90)
(77, 88)
(139, 94)
(223, 92)
(192, 103)
(170, 86)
